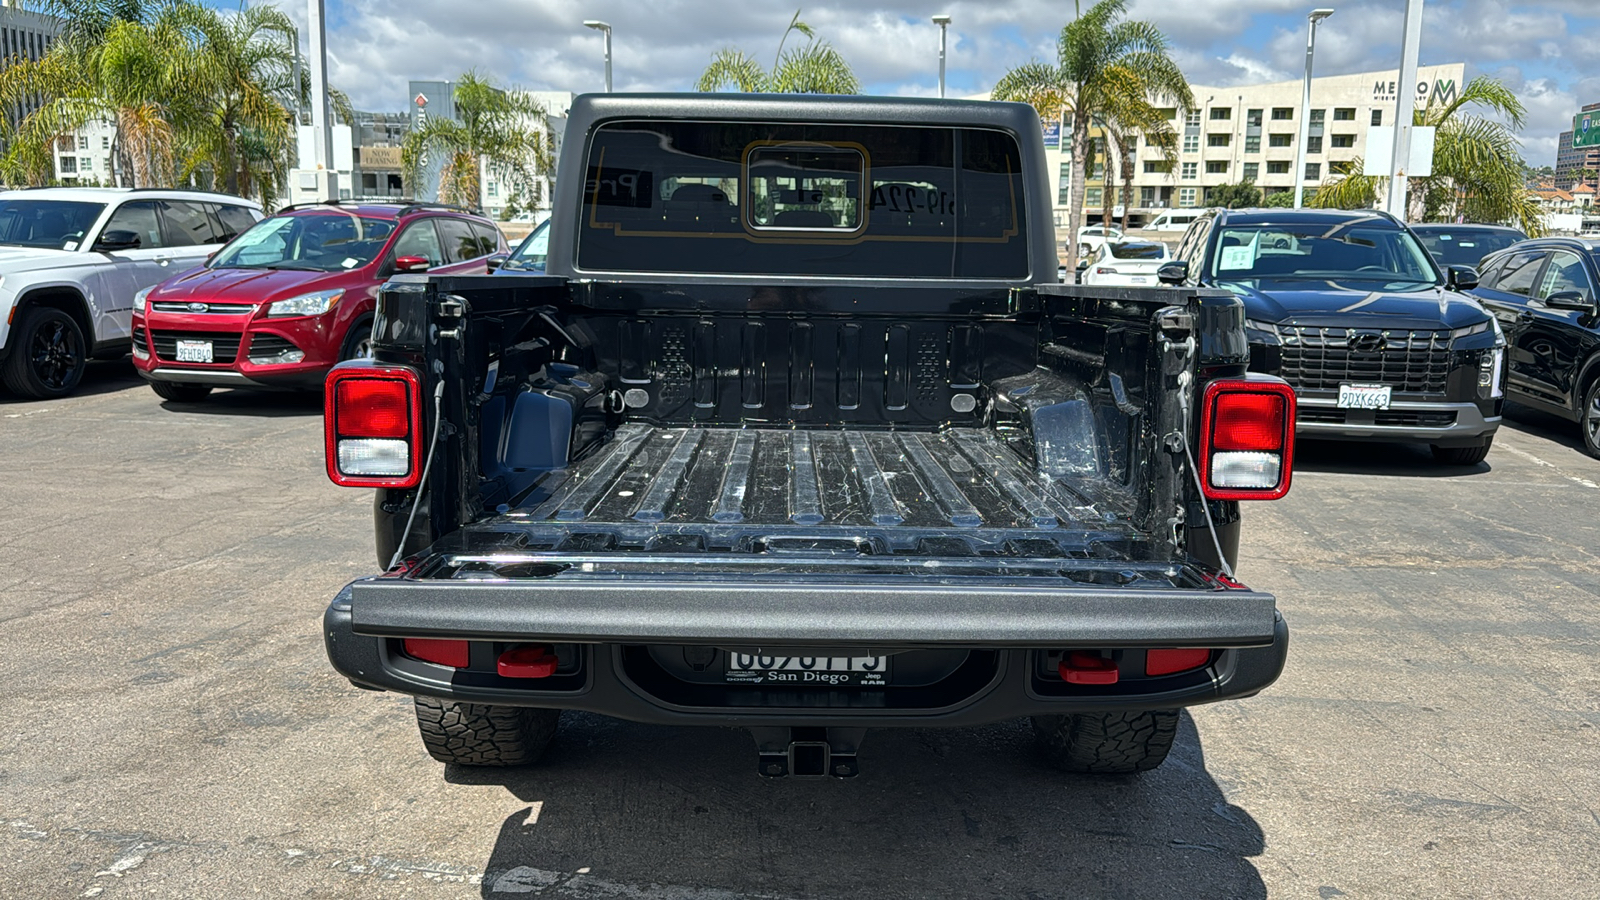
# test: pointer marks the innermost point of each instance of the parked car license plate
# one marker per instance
(1364, 396)
(817, 671)
(194, 351)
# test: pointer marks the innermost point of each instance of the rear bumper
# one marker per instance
(1008, 629)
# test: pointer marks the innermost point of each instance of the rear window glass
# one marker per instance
(1139, 251)
(803, 199)
(1465, 247)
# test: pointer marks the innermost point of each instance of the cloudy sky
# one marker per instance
(1549, 51)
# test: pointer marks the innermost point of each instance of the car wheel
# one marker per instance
(47, 356)
(358, 341)
(470, 734)
(1461, 456)
(1590, 423)
(1113, 743)
(181, 393)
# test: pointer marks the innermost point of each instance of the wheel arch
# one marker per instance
(64, 297)
(1588, 374)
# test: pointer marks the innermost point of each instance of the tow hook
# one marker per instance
(807, 752)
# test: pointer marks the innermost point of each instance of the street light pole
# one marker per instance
(1317, 15)
(598, 25)
(1400, 158)
(943, 21)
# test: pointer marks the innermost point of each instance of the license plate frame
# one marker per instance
(806, 671)
(1365, 396)
(196, 351)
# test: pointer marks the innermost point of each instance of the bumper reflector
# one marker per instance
(1079, 667)
(374, 456)
(445, 653)
(1166, 662)
(527, 662)
(1245, 469)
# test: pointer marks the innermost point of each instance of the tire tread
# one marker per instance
(1107, 743)
(470, 734)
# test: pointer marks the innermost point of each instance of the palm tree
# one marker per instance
(242, 73)
(816, 68)
(1477, 166)
(129, 76)
(1106, 68)
(491, 131)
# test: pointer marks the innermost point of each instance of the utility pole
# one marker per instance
(943, 21)
(1399, 160)
(321, 120)
(1317, 15)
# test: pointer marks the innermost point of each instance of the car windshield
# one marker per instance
(1141, 250)
(1465, 246)
(315, 243)
(56, 224)
(1365, 250)
(531, 253)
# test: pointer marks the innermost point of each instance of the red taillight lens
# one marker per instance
(1167, 662)
(373, 426)
(443, 652)
(373, 407)
(1248, 422)
(1247, 438)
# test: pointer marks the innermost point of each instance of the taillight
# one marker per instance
(373, 423)
(443, 652)
(1247, 438)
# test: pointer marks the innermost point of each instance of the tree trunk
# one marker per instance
(1125, 160)
(1108, 196)
(230, 144)
(1080, 177)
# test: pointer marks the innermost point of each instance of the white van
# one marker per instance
(1174, 220)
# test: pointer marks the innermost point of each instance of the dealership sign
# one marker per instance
(1442, 90)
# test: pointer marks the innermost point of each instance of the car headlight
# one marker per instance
(142, 296)
(306, 304)
(1257, 325)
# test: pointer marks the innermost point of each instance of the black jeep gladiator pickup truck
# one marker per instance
(799, 433)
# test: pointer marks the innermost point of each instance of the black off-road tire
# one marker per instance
(1589, 419)
(48, 354)
(181, 393)
(1461, 456)
(1112, 743)
(469, 734)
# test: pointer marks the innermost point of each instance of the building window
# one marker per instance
(494, 189)
(1313, 171)
(1217, 167)
(105, 142)
(1093, 198)
(1167, 112)
(1282, 113)
(1341, 167)
(1190, 171)
(1064, 186)
(1186, 197)
(395, 184)
(1218, 140)
(1253, 118)
(1280, 167)
(1314, 143)
(1344, 114)
(1344, 140)
(1252, 171)
(369, 182)
(1192, 118)
(69, 165)
(86, 164)
(1147, 196)
(83, 142)
(1191, 143)
(1316, 116)
(1157, 166)
(1279, 140)
(65, 145)
(1252, 143)
(1221, 114)
(1377, 117)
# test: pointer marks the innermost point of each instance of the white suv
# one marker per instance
(72, 259)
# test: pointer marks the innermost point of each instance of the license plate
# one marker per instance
(1139, 279)
(1364, 396)
(808, 671)
(194, 351)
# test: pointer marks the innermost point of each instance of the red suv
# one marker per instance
(286, 300)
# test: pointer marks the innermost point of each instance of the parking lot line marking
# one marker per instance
(1550, 465)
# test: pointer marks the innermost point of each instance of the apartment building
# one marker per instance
(1248, 133)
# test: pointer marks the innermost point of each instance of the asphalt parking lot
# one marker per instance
(172, 728)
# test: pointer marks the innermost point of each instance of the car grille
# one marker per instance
(1403, 418)
(224, 347)
(177, 306)
(1320, 359)
(265, 345)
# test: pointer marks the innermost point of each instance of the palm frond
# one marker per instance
(730, 67)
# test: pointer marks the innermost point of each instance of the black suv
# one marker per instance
(1350, 309)
(1465, 245)
(1543, 293)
